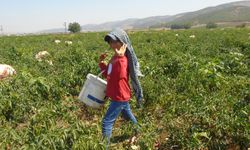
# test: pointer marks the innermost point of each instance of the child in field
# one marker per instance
(122, 65)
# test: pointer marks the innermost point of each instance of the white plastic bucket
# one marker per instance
(93, 91)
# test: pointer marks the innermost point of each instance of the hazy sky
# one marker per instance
(36, 15)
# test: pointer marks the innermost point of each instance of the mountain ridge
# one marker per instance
(238, 11)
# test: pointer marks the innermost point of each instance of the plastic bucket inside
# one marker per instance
(93, 91)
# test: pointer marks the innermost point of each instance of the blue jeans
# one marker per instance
(115, 108)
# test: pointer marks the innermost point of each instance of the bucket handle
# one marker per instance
(100, 74)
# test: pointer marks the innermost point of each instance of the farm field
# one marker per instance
(196, 91)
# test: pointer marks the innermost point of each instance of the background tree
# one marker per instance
(74, 27)
(243, 25)
(180, 26)
(211, 25)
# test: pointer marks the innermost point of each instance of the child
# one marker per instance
(118, 89)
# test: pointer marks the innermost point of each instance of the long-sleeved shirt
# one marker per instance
(133, 64)
(117, 76)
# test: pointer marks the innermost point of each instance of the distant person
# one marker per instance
(123, 64)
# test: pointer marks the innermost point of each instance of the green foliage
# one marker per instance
(74, 27)
(243, 25)
(197, 91)
(180, 26)
(211, 25)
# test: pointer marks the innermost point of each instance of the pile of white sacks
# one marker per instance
(43, 55)
(66, 42)
(6, 71)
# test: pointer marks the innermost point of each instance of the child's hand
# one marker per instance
(102, 57)
(122, 50)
